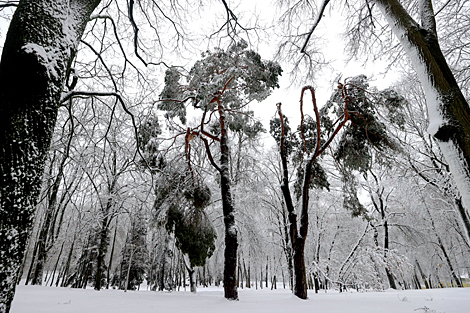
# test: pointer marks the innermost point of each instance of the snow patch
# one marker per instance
(232, 230)
(41, 299)
(433, 97)
(47, 56)
(458, 169)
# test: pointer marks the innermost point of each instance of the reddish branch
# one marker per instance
(299, 235)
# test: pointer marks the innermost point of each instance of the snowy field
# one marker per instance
(37, 299)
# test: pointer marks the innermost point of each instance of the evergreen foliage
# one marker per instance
(237, 76)
(365, 133)
(297, 148)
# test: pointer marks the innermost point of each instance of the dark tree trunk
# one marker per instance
(102, 249)
(300, 282)
(43, 243)
(57, 263)
(192, 280)
(300, 278)
(266, 274)
(231, 240)
(464, 216)
(423, 276)
(391, 280)
(288, 250)
(30, 89)
(111, 256)
(67, 264)
(46, 237)
(449, 263)
(32, 264)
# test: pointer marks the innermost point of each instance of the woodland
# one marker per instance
(133, 154)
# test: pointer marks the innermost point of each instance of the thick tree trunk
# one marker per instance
(38, 50)
(300, 281)
(231, 240)
(449, 113)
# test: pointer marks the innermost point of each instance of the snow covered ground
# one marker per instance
(37, 299)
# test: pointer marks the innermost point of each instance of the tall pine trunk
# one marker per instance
(39, 47)
(231, 240)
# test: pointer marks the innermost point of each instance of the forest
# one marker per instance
(134, 153)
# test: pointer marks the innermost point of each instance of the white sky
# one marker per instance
(333, 50)
(289, 96)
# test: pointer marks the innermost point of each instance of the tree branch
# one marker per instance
(428, 21)
(209, 154)
(72, 94)
(315, 24)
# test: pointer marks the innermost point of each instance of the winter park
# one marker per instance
(235, 156)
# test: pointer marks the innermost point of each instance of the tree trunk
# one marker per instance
(38, 50)
(46, 235)
(464, 216)
(192, 280)
(300, 281)
(423, 276)
(67, 264)
(449, 263)
(266, 275)
(102, 249)
(449, 113)
(129, 267)
(111, 256)
(57, 263)
(391, 280)
(231, 240)
(288, 250)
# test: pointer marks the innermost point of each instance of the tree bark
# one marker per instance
(111, 255)
(449, 113)
(464, 216)
(297, 242)
(39, 47)
(102, 249)
(231, 240)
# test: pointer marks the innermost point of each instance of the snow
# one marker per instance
(433, 98)
(434, 102)
(65, 300)
(47, 56)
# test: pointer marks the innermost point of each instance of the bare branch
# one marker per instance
(136, 32)
(428, 20)
(209, 154)
(72, 94)
(315, 24)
